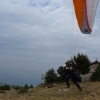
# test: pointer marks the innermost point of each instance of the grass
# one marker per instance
(91, 91)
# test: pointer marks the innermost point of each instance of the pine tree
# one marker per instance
(96, 75)
(49, 77)
(82, 63)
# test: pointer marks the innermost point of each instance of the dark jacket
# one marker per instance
(73, 75)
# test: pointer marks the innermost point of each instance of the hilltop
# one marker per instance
(91, 91)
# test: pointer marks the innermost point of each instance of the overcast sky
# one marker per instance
(37, 35)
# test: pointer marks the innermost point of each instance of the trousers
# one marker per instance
(74, 80)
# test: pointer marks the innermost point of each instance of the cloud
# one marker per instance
(36, 35)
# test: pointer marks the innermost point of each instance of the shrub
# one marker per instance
(23, 90)
(96, 75)
(31, 86)
(5, 87)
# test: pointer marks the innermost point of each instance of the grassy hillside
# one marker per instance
(91, 91)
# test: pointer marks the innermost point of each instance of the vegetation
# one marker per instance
(50, 76)
(91, 91)
(16, 87)
(24, 89)
(61, 73)
(96, 75)
(5, 87)
(82, 63)
(26, 86)
(31, 86)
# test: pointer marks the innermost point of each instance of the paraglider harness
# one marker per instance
(73, 74)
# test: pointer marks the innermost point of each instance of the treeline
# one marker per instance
(19, 89)
(23, 89)
(5, 87)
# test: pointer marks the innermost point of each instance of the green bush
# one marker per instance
(23, 90)
(26, 86)
(31, 86)
(5, 87)
(96, 75)
(17, 87)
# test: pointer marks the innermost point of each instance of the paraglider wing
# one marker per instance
(85, 13)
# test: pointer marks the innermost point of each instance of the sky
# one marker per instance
(37, 35)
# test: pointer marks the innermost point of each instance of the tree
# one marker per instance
(16, 87)
(62, 74)
(26, 86)
(96, 75)
(5, 87)
(31, 86)
(82, 63)
(23, 89)
(50, 76)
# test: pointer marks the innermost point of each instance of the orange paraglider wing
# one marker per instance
(85, 11)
